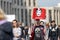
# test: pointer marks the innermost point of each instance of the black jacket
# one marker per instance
(53, 32)
(39, 32)
(22, 33)
(59, 32)
(6, 31)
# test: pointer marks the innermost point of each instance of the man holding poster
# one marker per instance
(39, 13)
(39, 30)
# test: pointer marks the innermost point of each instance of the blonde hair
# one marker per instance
(2, 15)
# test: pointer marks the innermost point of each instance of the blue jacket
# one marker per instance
(6, 31)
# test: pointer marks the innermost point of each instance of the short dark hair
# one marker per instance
(15, 20)
(41, 21)
(53, 21)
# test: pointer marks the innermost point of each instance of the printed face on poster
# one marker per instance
(39, 13)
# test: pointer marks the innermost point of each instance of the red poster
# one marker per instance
(39, 13)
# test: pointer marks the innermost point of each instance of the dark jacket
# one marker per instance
(33, 33)
(53, 33)
(22, 33)
(6, 31)
(59, 32)
(26, 31)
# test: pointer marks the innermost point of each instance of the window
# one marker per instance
(14, 1)
(25, 2)
(1, 3)
(15, 11)
(7, 8)
(26, 17)
(30, 12)
(18, 13)
(34, 2)
(57, 16)
(18, 10)
(50, 17)
(54, 14)
(12, 10)
(17, 2)
(10, 7)
(21, 2)
(29, 2)
(22, 15)
(30, 16)
(4, 6)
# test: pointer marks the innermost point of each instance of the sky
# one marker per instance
(47, 3)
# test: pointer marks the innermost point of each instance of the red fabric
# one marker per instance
(42, 16)
(32, 38)
(32, 34)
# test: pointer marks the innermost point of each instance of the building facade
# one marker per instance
(22, 9)
(6, 5)
(52, 13)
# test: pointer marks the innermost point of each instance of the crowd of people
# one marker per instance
(37, 31)
(19, 32)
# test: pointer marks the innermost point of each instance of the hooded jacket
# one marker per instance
(6, 31)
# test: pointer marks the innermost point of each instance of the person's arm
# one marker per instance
(44, 30)
(49, 34)
(32, 33)
(29, 31)
(58, 32)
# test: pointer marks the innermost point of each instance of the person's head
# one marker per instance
(26, 27)
(2, 15)
(20, 23)
(47, 25)
(41, 23)
(37, 23)
(14, 22)
(53, 23)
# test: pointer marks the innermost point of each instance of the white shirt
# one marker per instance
(29, 32)
(17, 31)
